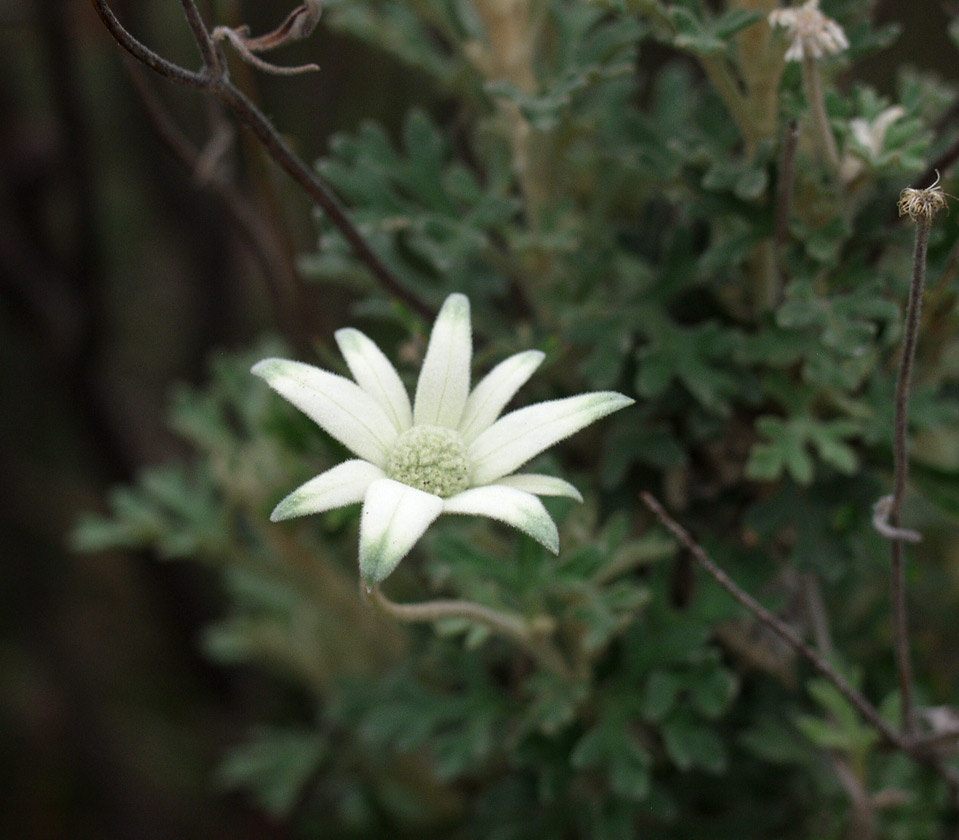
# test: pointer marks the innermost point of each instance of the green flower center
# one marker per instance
(430, 458)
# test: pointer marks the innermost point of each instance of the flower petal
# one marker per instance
(339, 406)
(344, 484)
(375, 375)
(444, 381)
(512, 440)
(540, 485)
(496, 389)
(394, 517)
(514, 507)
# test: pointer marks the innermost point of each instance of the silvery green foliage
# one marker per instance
(620, 216)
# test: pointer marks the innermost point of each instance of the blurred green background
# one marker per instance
(120, 274)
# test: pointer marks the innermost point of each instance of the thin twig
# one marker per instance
(281, 279)
(901, 471)
(774, 623)
(202, 36)
(511, 625)
(786, 182)
(142, 53)
(220, 86)
(912, 747)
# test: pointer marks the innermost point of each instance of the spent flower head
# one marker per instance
(922, 204)
(445, 453)
(813, 33)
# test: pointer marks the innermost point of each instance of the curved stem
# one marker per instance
(901, 471)
(144, 54)
(511, 625)
(824, 138)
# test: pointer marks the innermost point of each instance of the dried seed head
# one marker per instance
(813, 34)
(922, 204)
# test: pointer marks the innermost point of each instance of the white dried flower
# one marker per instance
(813, 34)
(870, 138)
(922, 204)
(445, 453)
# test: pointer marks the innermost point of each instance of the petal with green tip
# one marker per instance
(339, 406)
(512, 440)
(444, 382)
(394, 517)
(515, 507)
(375, 374)
(540, 485)
(495, 390)
(344, 484)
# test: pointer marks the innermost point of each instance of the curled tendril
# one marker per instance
(299, 24)
(880, 521)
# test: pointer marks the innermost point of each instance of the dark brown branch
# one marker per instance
(219, 86)
(142, 53)
(911, 746)
(774, 623)
(280, 277)
(318, 191)
(202, 36)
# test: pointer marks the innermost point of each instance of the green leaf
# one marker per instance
(662, 689)
(696, 357)
(940, 486)
(274, 766)
(712, 689)
(691, 745)
(610, 745)
(786, 448)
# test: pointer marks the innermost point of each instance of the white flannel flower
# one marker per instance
(868, 138)
(813, 34)
(447, 453)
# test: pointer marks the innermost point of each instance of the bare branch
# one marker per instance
(774, 623)
(280, 277)
(911, 746)
(202, 36)
(144, 54)
(220, 87)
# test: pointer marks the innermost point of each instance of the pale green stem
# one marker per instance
(824, 139)
(531, 636)
(718, 72)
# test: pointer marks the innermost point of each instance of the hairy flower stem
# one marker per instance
(824, 139)
(901, 471)
(529, 635)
